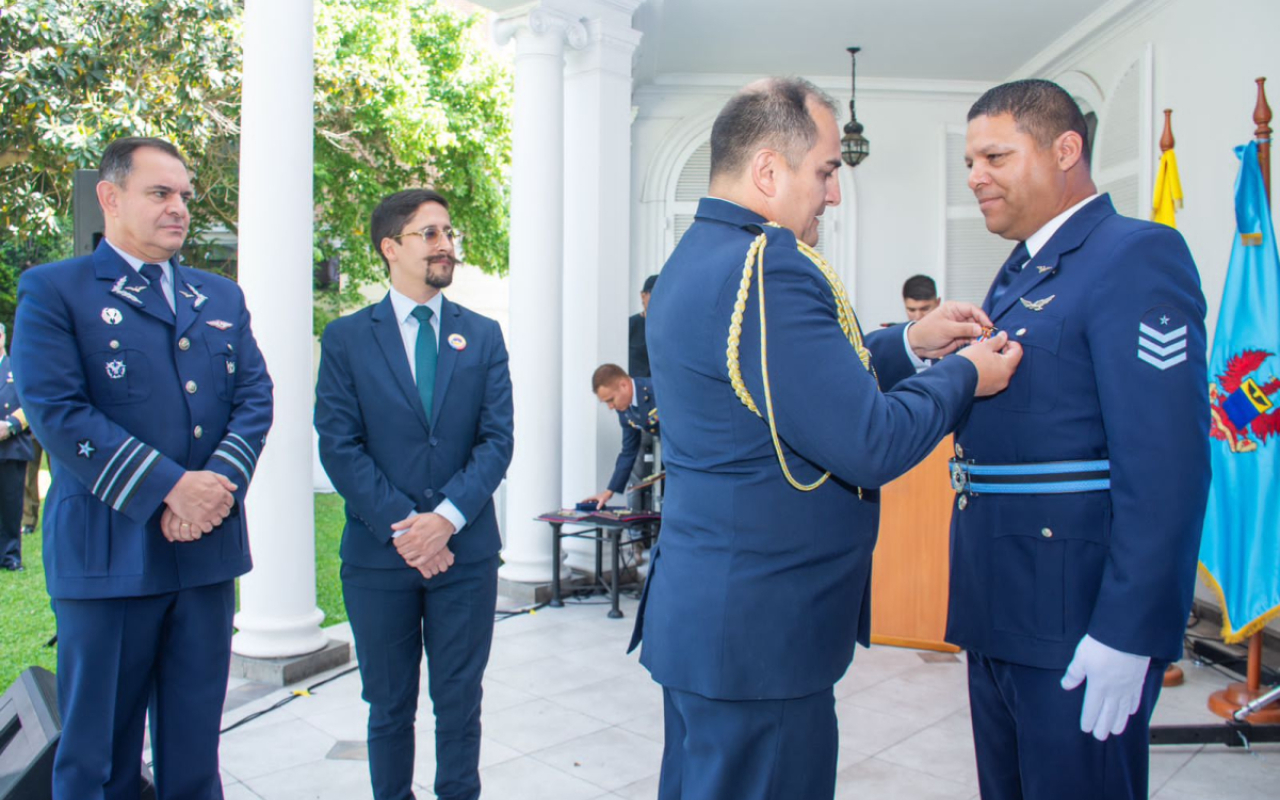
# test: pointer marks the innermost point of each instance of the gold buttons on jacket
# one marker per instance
(184, 343)
(191, 387)
(198, 432)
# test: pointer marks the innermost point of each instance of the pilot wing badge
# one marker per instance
(1037, 305)
(1162, 337)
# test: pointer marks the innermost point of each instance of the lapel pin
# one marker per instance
(457, 342)
(196, 294)
(1045, 269)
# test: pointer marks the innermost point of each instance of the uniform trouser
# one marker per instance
(12, 476)
(1026, 731)
(748, 749)
(116, 656)
(395, 615)
(31, 497)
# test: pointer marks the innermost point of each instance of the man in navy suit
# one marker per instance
(16, 449)
(778, 430)
(1081, 489)
(413, 408)
(633, 400)
(144, 383)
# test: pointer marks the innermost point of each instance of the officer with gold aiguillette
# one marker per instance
(776, 438)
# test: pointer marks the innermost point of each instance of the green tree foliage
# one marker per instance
(406, 95)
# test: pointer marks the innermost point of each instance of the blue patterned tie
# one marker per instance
(1009, 272)
(424, 358)
(154, 274)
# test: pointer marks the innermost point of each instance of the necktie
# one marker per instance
(154, 274)
(424, 358)
(1009, 272)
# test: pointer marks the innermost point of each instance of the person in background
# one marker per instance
(633, 400)
(15, 451)
(919, 297)
(637, 346)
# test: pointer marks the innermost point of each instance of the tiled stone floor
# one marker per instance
(569, 716)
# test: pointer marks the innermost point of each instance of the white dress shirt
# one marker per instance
(403, 307)
(166, 273)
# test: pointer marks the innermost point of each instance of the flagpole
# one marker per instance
(1262, 118)
(1227, 702)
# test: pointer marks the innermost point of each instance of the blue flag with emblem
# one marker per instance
(1240, 551)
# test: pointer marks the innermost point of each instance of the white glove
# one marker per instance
(1113, 686)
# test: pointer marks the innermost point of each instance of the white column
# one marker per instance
(537, 225)
(597, 247)
(278, 615)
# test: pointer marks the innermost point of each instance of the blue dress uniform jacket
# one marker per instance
(642, 415)
(125, 403)
(1032, 574)
(758, 590)
(378, 448)
(19, 446)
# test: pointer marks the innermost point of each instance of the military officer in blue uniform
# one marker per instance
(144, 383)
(779, 427)
(1082, 487)
(633, 400)
(16, 449)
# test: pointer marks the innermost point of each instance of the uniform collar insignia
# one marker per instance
(1045, 268)
(1038, 305)
(196, 294)
(129, 293)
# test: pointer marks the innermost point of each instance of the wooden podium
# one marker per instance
(909, 573)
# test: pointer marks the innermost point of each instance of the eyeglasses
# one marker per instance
(431, 235)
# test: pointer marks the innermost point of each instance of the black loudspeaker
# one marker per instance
(29, 730)
(86, 215)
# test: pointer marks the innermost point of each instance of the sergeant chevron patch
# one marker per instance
(1162, 337)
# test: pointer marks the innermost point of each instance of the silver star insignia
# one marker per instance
(85, 448)
(1164, 319)
(1038, 305)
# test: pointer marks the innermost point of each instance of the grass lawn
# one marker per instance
(26, 620)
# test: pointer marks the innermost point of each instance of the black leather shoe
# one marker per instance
(28, 529)
(13, 565)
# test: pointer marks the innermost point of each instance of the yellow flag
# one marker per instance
(1168, 193)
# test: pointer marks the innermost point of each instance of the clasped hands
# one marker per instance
(423, 543)
(954, 325)
(197, 504)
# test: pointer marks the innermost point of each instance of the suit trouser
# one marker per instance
(13, 475)
(748, 749)
(116, 656)
(1026, 731)
(31, 497)
(396, 614)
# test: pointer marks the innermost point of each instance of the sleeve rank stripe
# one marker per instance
(237, 445)
(109, 470)
(232, 450)
(233, 461)
(125, 476)
(140, 474)
(250, 452)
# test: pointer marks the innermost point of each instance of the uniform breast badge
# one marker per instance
(457, 342)
(988, 332)
(220, 324)
(112, 315)
(1036, 305)
(115, 369)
